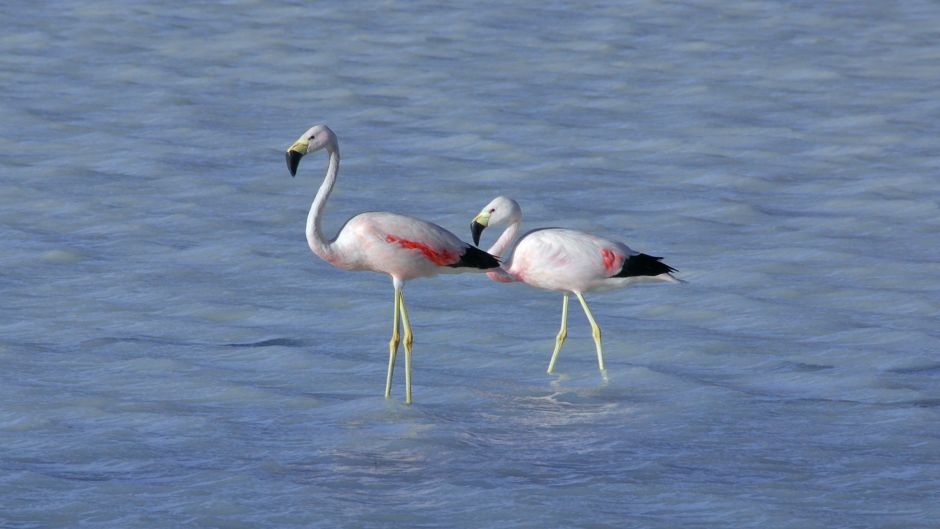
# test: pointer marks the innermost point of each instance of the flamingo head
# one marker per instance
(501, 210)
(317, 137)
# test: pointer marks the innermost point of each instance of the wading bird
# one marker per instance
(400, 246)
(566, 261)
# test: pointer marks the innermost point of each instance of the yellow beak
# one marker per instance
(294, 153)
(477, 225)
(300, 147)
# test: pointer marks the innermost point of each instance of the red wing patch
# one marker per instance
(612, 261)
(440, 258)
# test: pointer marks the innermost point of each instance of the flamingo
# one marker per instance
(566, 261)
(398, 245)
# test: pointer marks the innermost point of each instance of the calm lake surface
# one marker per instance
(172, 354)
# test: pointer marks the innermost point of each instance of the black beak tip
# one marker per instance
(476, 229)
(293, 160)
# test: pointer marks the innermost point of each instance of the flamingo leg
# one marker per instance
(596, 332)
(408, 340)
(393, 345)
(562, 333)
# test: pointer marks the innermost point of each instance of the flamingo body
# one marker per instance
(401, 246)
(564, 260)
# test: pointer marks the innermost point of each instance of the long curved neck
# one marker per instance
(315, 239)
(502, 244)
(506, 238)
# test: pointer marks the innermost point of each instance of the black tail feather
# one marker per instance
(476, 258)
(644, 265)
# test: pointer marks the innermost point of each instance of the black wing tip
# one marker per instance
(474, 257)
(644, 265)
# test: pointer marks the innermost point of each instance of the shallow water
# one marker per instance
(171, 354)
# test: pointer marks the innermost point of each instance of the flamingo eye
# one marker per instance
(312, 137)
(492, 210)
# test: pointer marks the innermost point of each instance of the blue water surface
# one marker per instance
(172, 354)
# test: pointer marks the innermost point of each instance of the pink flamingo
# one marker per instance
(565, 261)
(400, 246)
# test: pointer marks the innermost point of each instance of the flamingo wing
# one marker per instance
(563, 248)
(620, 260)
(570, 260)
(431, 241)
(409, 247)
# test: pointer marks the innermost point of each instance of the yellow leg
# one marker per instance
(562, 333)
(595, 330)
(408, 339)
(393, 345)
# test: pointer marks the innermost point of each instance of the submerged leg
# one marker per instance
(393, 345)
(562, 333)
(595, 330)
(408, 339)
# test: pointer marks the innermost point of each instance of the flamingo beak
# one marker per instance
(477, 226)
(294, 154)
